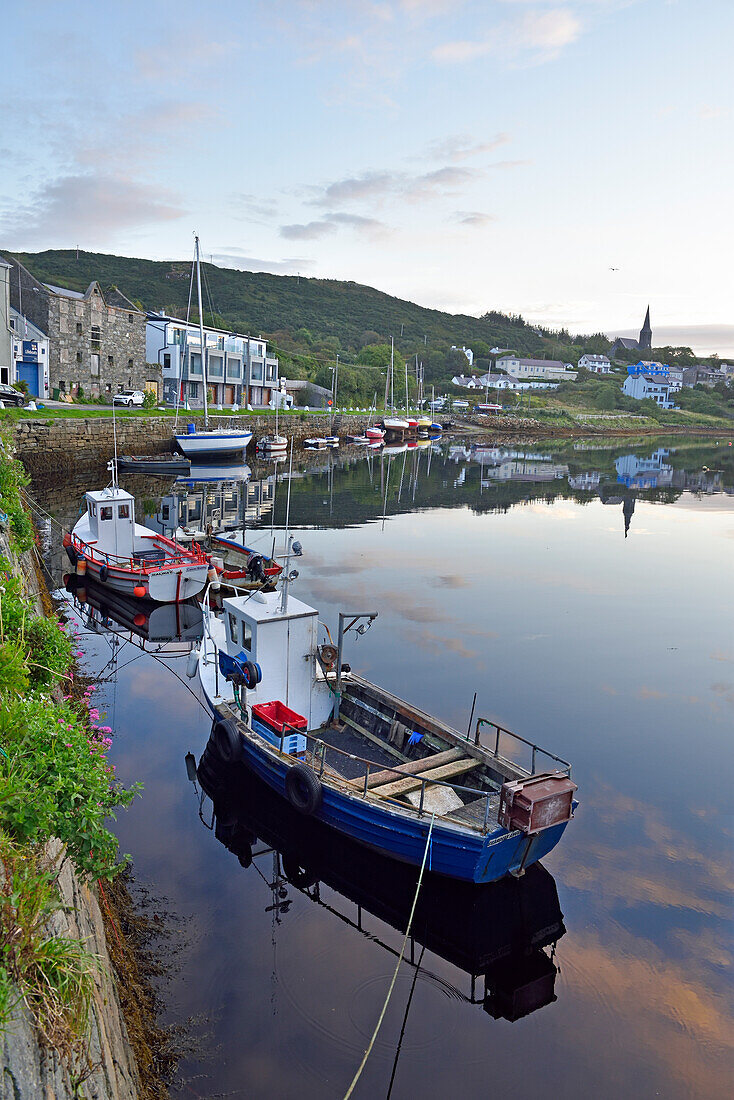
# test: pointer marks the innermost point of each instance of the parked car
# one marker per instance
(10, 396)
(129, 398)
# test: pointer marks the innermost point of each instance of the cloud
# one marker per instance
(314, 230)
(461, 147)
(86, 208)
(370, 185)
(473, 218)
(310, 231)
(542, 33)
(237, 259)
(178, 55)
(549, 31)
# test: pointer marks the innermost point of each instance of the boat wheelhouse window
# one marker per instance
(93, 509)
(246, 636)
(234, 628)
(123, 511)
(106, 512)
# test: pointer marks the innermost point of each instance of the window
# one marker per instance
(95, 337)
(166, 511)
(166, 361)
(110, 360)
(94, 363)
(130, 364)
(131, 317)
(106, 512)
(246, 636)
(193, 389)
(78, 328)
(195, 362)
(78, 357)
(233, 628)
(93, 509)
(123, 511)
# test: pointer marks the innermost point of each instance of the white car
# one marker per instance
(129, 398)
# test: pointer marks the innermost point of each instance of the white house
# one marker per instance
(641, 386)
(467, 382)
(6, 346)
(552, 369)
(588, 481)
(467, 352)
(30, 355)
(239, 369)
(501, 382)
(598, 364)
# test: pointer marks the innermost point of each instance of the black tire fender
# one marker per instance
(303, 789)
(227, 740)
(72, 555)
(103, 573)
(298, 875)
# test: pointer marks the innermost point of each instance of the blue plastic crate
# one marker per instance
(293, 743)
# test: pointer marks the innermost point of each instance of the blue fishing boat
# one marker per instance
(364, 762)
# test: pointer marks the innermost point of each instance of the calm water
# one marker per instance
(586, 595)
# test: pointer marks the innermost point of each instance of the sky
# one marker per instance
(568, 160)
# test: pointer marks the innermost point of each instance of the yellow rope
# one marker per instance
(378, 1025)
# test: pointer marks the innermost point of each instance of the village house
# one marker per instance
(239, 370)
(551, 369)
(642, 386)
(598, 364)
(30, 355)
(467, 382)
(467, 352)
(6, 343)
(96, 338)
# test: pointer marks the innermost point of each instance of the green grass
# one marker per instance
(55, 782)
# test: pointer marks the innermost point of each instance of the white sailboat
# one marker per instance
(274, 444)
(216, 442)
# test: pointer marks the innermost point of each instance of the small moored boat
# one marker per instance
(154, 464)
(363, 761)
(243, 566)
(110, 547)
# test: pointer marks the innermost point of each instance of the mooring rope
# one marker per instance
(378, 1025)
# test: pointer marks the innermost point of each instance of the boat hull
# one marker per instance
(164, 586)
(454, 852)
(199, 445)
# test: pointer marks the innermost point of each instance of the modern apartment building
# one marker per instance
(239, 369)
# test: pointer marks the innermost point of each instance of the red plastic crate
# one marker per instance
(277, 715)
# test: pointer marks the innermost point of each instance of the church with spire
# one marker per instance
(645, 341)
(623, 343)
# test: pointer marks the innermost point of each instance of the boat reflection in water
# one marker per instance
(175, 626)
(496, 934)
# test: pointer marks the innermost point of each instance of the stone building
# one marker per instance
(96, 338)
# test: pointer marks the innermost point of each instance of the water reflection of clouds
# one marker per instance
(665, 998)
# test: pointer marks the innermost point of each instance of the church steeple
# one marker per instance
(646, 333)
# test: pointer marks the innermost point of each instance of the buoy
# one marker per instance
(191, 663)
(81, 567)
(213, 578)
(139, 590)
(218, 564)
(140, 619)
(66, 541)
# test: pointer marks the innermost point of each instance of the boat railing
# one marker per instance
(318, 765)
(139, 566)
(535, 750)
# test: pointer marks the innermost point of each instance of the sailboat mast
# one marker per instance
(201, 334)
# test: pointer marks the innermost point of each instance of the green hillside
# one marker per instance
(308, 320)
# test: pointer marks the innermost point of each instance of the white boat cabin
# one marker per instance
(284, 644)
(111, 519)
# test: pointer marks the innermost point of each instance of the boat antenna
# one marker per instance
(201, 331)
(287, 566)
(114, 459)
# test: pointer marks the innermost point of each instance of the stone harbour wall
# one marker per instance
(57, 445)
(30, 1070)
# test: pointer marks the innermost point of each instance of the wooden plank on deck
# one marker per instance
(412, 783)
